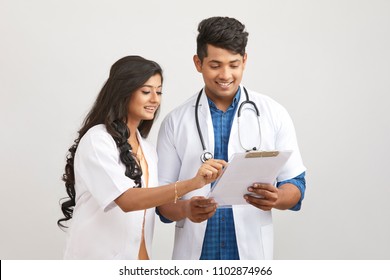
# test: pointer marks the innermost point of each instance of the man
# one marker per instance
(204, 231)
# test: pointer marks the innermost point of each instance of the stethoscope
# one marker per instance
(206, 155)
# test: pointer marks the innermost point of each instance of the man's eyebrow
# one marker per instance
(217, 61)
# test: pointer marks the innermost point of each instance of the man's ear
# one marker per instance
(244, 59)
(198, 63)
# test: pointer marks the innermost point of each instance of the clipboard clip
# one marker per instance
(257, 154)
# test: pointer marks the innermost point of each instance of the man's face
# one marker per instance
(222, 73)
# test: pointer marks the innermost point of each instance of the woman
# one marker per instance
(111, 170)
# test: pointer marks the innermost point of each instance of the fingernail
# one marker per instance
(250, 189)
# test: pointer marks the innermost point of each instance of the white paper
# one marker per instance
(242, 172)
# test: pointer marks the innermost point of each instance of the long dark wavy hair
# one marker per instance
(111, 109)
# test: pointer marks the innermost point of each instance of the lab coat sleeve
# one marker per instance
(98, 165)
(169, 162)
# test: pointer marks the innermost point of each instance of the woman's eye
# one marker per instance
(159, 92)
(145, 92)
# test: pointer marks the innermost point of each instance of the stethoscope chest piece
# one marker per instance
(206, 156)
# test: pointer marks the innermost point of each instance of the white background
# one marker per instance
(327, 62)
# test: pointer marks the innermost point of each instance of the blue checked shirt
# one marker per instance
(220, 238)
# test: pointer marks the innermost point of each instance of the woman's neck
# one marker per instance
(133, 130)
(133, 136)
(133, 140)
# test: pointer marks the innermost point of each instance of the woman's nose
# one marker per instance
(154, 97)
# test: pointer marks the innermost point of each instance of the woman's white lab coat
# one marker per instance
(99, 228)
(179, 149)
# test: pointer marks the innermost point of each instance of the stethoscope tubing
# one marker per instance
(208, 155)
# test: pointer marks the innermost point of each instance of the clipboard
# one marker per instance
(243, 170)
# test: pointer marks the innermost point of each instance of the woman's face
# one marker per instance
(145, 101)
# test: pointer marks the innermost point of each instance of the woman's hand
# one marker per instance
(210, 171)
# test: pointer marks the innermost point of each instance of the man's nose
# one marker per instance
(224, 73)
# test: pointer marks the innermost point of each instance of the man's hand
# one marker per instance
(262, 196)
(199, 208)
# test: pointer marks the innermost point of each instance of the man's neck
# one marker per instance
(223, 102)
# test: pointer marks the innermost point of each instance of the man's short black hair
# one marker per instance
(222, 32)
